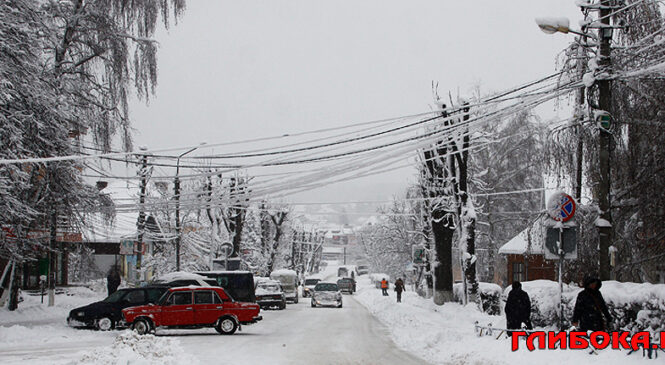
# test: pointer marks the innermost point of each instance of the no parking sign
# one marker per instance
(561, 207)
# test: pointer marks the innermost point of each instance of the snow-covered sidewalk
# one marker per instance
(445, 334)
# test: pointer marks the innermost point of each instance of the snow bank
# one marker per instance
(446, 335)
(624, 300)
(33, 310)
(131, 348)
(490, 296)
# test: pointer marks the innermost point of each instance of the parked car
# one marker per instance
(326, 294)
(309, 285)
(238, 284)
(363, 269)
(289, 281)
(193, 307)
(347, 285)
(182, 278)
(106, 314)
(269, 293)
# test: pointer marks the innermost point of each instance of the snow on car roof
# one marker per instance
(194, 287)
(224, 272)
(180, 275)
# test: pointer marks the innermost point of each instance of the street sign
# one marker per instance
(561, 207)
(569, 238)
(419, 254)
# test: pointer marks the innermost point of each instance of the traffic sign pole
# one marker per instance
(562, 254)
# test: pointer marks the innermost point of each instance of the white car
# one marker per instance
(326, 295)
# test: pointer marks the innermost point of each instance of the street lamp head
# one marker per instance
(553, 25)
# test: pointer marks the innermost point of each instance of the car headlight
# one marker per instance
(80, 314)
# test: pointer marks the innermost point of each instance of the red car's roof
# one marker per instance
(193, 287)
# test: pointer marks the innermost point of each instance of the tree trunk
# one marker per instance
(443, 269)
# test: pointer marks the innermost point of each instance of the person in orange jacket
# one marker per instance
(384, 287)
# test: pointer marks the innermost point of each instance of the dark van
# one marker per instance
(238, 284)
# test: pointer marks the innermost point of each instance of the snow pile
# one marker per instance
(132, 348)
(490, 296)
(624, 301)
(446, 334)
(33, 310)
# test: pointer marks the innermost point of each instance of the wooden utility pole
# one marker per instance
(605, 103)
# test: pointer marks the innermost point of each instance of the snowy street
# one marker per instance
(299, 334)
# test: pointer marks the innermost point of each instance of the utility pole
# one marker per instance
(53, 234)
(141, 219)
(579, 158)
(605, 103)
(176, 190)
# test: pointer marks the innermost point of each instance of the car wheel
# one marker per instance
(142, 326)
(226, 326)
(295, 301)
(282, 305)
(340, 305)
(105, 324)
(313, 305)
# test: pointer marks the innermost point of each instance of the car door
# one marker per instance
(178, 309)
(207, 307)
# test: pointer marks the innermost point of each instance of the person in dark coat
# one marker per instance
(518, 308)
(399, 288)
(591, 312)
(113, 280)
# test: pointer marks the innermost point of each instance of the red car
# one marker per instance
(193, 307)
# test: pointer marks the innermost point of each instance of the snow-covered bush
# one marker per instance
(490, 296)
(633, 306)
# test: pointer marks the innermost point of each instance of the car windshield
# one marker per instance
(326, 287)
(345, 280)
(311, 281)
(115, 297)
(269, 287)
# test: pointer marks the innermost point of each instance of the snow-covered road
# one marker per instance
(298, 335)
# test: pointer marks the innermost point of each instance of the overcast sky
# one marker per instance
(233, 70)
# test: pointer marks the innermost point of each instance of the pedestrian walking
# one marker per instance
(591, 313)
(399, 288)
(518, 308)
(384, 287)
(113, 280)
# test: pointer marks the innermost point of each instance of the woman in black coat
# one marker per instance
(591, 312)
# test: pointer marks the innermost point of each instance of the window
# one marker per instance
(518, 271)
(155, 294)
(181, 298)
(203, 297)
(135, 297)
(216, 299)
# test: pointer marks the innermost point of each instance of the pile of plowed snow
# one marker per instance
(132, 348)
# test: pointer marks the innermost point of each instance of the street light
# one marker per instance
(176, 189)
(561, 25)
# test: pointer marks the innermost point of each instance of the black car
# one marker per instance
(106, 314)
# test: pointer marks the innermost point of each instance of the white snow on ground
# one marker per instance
(445, 334)
(131, 348)
(32, 310)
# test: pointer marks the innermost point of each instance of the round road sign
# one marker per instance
(561, 207)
